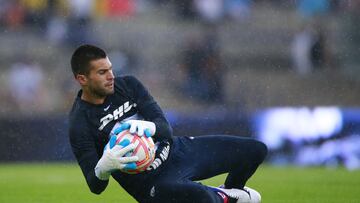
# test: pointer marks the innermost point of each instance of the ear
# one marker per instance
(82, 79)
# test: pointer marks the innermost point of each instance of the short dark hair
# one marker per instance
(82, 57)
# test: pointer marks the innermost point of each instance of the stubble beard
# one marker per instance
(100, 92)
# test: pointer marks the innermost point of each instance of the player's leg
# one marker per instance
(213, 155)
(172, 182)
(237, 156)
(184, 191)
(205, 157)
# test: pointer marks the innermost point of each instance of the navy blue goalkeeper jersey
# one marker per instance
(90, 126)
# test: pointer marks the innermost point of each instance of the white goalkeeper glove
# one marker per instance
(139, 127)
(114, 158)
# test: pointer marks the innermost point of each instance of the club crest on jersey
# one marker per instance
(116, 114)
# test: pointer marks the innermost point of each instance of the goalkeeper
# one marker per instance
(105, 101)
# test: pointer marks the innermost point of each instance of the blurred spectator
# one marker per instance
(210, 11)
(311, 8)
(119, 8)
(351, 36)
(202, 65)
(25, 85)
(80, 21)
(56, 26)
(185, 9)
(36, 13)
(310, 48)
(13, 14)
(302, 46)
(238, 9)
(56, 30)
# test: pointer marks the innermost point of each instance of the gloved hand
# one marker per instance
(139, 127)
(114, 158)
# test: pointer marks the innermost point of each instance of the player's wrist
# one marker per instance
(103, 167)
(101, 173)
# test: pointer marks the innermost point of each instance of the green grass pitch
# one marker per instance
(53, 182)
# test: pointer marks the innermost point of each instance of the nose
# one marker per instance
(110, 76)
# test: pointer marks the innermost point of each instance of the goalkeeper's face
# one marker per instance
(100, 80)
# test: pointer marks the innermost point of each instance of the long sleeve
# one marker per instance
(83, 146)
(149, 109)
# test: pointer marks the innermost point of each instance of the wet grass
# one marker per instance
(54, 182)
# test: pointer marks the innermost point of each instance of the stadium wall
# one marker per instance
(291, 133)
(46, 138)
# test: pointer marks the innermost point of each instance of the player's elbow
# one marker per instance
(164, 130)
(96, 191)
(97, 187)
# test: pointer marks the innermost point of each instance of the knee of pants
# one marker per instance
(260, 150)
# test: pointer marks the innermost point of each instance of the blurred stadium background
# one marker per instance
(284, 72)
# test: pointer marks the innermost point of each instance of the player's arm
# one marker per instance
(97, 171)
(149, 109)
(83, 147)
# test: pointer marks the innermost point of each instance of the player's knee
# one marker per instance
(261, 150)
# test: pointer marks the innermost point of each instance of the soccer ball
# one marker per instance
(145, 150)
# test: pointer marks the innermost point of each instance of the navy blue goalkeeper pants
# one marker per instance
(197, 158)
